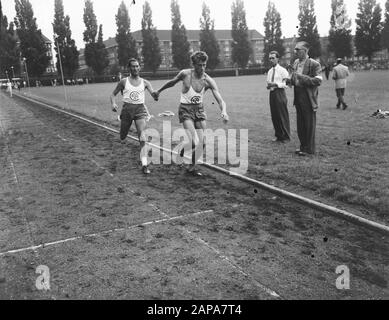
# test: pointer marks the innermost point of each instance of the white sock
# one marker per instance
(144, 161)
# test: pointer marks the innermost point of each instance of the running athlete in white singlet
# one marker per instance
(134, 109)
(193, 97)
(134, 94)
(191, 110)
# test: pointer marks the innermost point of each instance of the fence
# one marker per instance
(50, 80)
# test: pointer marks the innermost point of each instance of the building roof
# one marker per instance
(47, 40)
(192, 35)
(110, 42)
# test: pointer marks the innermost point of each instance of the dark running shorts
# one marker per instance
(194, 112)
(133, 112)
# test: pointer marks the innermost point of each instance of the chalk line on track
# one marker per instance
(17, 183)
(44, 245)
(232, 264)
(166, 218)
(342, 214)
(204, 243)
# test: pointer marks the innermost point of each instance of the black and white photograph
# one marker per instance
(194, 155)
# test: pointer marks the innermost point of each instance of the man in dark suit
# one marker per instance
(306, 79)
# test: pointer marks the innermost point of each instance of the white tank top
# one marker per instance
(134, 95)
(192, 97)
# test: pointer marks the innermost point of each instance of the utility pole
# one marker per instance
(28, 79)
(63, 79)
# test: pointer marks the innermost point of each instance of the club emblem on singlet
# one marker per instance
(135, 96)
(195, 100)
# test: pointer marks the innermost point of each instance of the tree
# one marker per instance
(273, 33)
(102, 60)
(9, 51)
(368, 31)
(90, 21)
(241, 47)
(1, 18)
(180, 44)
(385, 30)
(340, 38)
(208, 41)
(308, 27)
(63, 41)
(32, 44)
(126, 43)
(151, 51)
(95, 52)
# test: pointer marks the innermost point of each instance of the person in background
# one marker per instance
(306, 78)
(276, 83)
(340, 75)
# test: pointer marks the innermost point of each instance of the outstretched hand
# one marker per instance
(155, 95)
(225, 117)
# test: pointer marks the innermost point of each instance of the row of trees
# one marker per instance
(9, 55)
(96, 54)
(371, 35)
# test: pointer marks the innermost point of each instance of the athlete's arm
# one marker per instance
(173, 82)
(216, 93)
(120, 87)
(150, 89)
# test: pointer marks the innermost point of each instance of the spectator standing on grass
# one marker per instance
(133, 91)
(9, 88)
(327, 70)
(306, 78)
(191, 110)
(340, 74)
(276, 83)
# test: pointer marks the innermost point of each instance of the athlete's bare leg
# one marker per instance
(141, 127)
(195, 133)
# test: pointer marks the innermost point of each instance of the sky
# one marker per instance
(190, 14)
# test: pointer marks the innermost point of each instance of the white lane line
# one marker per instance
(15, 177)
(161, 212)
(216, 251)
(98, 234)
(199, 240)
(339, 213)
(101, 167)
(233, 265)
(62, 138)
(202, 242)
(16, 180)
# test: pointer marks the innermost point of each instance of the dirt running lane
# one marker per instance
(178, 237)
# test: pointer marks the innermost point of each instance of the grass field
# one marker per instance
(351, 168)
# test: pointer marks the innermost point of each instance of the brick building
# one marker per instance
(225, 43)
(223, 37)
